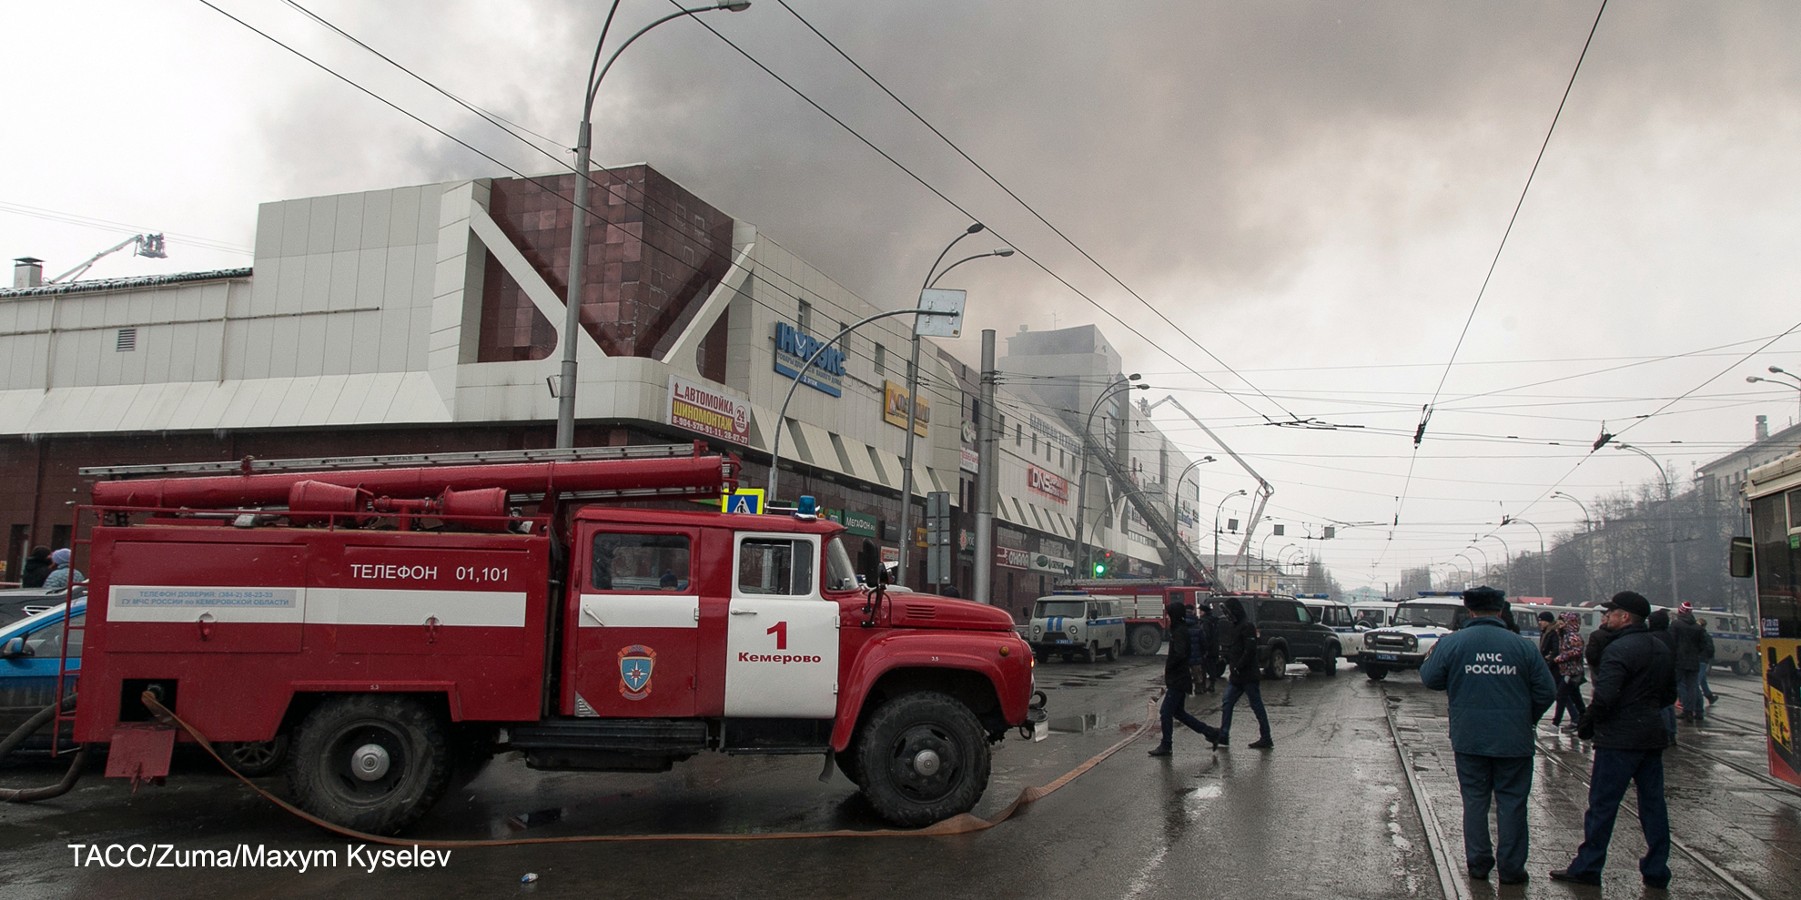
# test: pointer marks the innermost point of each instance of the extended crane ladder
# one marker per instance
(1185, 557)
(250, 465)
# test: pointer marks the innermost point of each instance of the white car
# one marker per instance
(1405, 644)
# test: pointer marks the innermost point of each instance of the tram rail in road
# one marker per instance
(1573, 765)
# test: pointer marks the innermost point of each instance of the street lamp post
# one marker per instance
(1778, 370)
(1216, 512)
(932, 276)
(1669, 511)
(1506, 560)
(1176, 492)
(1126, 383)
(1473, 579)
(578, 228)
(1485, 573)
(1516, 520)
(1587, 524)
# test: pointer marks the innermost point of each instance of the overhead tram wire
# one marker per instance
(1035, 214)
(1426, 412)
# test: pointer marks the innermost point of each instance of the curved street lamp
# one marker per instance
(1176, 492)
(1587, 524)
(1216, 511)
(1130, 382)
(1473, 579)
(1778, 370)
(1506, 560)
(578, 229)
(1516, 520)
(1669, 508)
(1484, 576)
(932, 276)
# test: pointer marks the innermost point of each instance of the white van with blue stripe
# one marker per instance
(1077, 625)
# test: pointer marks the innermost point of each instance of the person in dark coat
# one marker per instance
(37, 568)
(1205, 664)
(1625, 721)
(1238, 642)
(1659, 624)
(1498, 687)
(1549, 645)
(1177, 682)
(1707, 654)
(1691, 646)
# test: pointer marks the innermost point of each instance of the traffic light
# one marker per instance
(1103, 564)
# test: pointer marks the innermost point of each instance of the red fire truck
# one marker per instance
(399, 620)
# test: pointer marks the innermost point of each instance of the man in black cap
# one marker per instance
(1625, 721)
(1498, 687)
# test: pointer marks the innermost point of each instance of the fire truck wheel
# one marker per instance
(923, 758)
(1146, 640)
(370, 763)
(254, 759)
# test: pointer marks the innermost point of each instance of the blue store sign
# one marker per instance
(793, 346)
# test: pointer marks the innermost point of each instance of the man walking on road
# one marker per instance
(1625, 721)
(1498, 686)
(1238, 641)
(1691, 646)
(1178, 681)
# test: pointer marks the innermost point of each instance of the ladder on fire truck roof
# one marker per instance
(250, 465)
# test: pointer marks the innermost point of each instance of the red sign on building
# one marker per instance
(1048, 483)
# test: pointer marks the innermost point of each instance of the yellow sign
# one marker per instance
(742, 500)
(894, 408)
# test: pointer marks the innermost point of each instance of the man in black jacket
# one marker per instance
(1691, 645)
(1177, 682)
(1205, 664)
(1238, 641)
(1625, 722)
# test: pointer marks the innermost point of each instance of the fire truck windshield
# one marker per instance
(840, 574)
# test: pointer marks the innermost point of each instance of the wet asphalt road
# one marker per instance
(1328, 813)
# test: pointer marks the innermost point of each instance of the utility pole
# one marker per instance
(986, 480)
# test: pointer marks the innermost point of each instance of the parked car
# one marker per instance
(1287, 632)
(31, 651)
(18, 603)
(1416, 627)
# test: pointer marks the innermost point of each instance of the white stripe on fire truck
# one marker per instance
(640, 611)
(320, 606)
(366, 606)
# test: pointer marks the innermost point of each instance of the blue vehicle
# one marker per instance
(31, 652)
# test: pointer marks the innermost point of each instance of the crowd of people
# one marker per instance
(50, 570)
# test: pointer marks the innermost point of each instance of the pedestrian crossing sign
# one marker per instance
(742, 500)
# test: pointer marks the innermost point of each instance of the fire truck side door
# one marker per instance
(782, 636)
(636, 625)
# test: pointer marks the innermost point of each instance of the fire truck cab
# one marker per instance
(399, 642)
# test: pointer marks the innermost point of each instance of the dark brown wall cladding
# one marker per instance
(655, 252)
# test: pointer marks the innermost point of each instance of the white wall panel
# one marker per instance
(402, 264)
(365, 344)
(347, 230)
(336, 353)
(294, 226)
(208, 350)
(268, 232)
(242, 402)
(315, 291)
(259, 351)
(350, 399)
(322, 220)
(378, 208)
(291, 287)
(403, 221)
(344, 265)
(294, 400)
(309, 343)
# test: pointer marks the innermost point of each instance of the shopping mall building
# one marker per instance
(428, 318)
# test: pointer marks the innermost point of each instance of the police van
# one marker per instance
(1338, 617)
(1077, 625)
(1734, 640)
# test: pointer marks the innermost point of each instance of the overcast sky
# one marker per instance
(1312, 193)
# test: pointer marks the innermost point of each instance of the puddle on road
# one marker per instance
(522, 821)
(1081, 724)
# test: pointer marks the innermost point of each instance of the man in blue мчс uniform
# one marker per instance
(1499, 687)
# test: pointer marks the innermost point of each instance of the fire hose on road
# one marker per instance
(29, 728)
